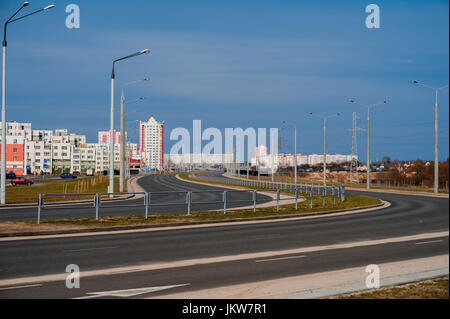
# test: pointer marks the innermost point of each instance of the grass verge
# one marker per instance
(427, 289)
(27, 194)
(195, 217)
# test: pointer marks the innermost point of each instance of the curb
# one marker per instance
(135, 227)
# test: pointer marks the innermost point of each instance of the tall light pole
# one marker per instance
(122, 133)
(123, 140)
(324, 118)
(295, 149)
(111, 131)
(3, 150)
(436, 155)
(368, 136)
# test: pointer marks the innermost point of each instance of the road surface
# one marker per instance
(198, 258)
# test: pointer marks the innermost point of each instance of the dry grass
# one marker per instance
(27, 194)
(427, 289)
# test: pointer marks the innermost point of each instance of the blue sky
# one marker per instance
(237, 64)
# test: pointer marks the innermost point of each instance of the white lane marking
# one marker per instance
(428, 242)
(281, 258)
(128, 292)
(87, 249)
(19, 287)
(226, 258)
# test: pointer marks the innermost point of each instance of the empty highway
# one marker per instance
(194, 258)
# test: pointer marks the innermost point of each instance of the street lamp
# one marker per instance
(368, 136)
(436, 160)
(324, 118)
(3, 150)
(111, 132)
(122, 132)
(295, 148)
(123, 139)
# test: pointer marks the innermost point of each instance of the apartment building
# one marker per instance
(17, 129)
(103, 137)
(15, 154)
(152, 143)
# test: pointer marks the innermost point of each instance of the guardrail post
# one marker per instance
(147, 203)
(296, 197)
(278, 199)
(188, 200)
(224, 202)
(96, 204)
(254, 201)
(39, 209)
(324, 189)
(343, 192)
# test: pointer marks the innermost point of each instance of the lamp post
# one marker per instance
(123, 139)
(436, 155)
(368, 136)
(111, 132)
(3, 150)
(324, 118)
(122, 132)
(295, 149)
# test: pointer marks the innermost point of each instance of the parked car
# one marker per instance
(21, 181)
(67, 175)
(10, 175)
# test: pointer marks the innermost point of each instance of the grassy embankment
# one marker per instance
(30, 194)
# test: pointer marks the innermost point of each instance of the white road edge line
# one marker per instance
(19, 287)
(281, 258)
(88, 249)
(429, 242)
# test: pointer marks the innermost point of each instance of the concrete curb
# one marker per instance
(137, 227)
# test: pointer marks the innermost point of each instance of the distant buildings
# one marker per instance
(152, 143)
(265, 160)
(31, 151)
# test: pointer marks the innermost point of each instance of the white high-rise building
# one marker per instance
(18, 129)
(152, 143)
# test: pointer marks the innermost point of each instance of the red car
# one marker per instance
(21, 181)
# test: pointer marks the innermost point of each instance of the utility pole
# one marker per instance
(368, 136)
(324, 118)
(111, 130)
(354, 159)
(436, 153)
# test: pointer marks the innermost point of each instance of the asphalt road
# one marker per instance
(408, 215)
(150, 183)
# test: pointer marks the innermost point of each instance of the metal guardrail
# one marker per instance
(337, 192)
(302, 191)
